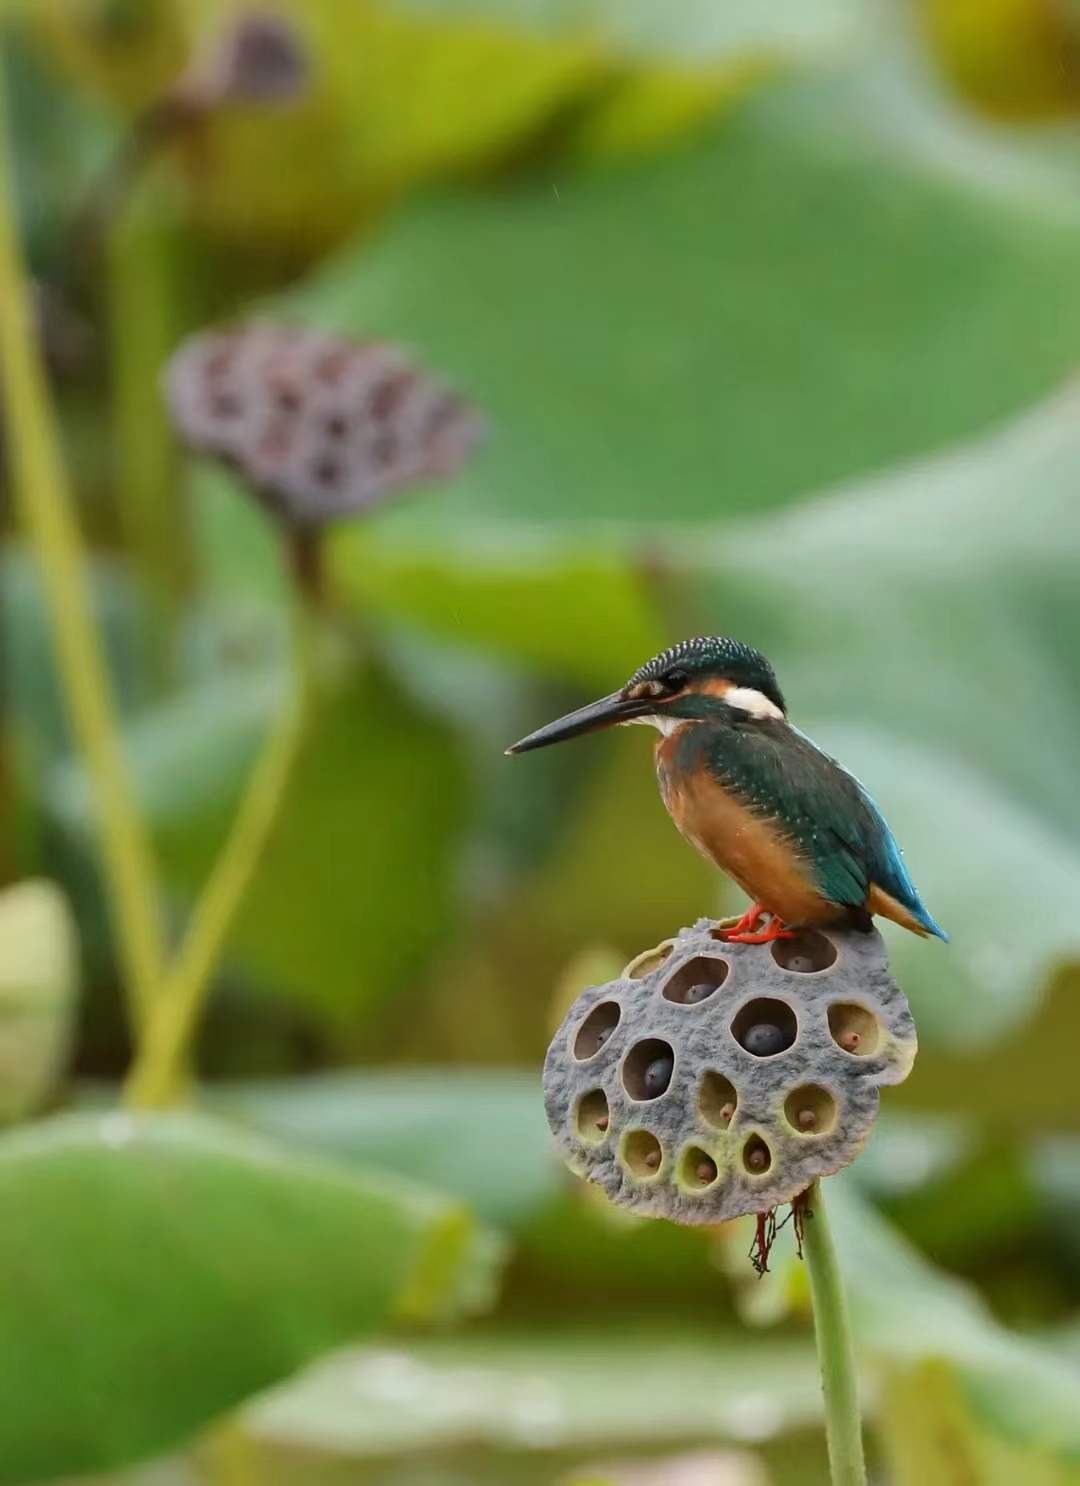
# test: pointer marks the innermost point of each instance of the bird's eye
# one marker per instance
(674, 680)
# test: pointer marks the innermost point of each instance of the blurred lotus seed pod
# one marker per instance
(711, 1080)
(323, 428)
(38, 984)
(259, 58)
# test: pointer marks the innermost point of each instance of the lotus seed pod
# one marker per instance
(323, 428)
(711, 1080)
(260, 58)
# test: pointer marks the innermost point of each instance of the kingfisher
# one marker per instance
(798, 833)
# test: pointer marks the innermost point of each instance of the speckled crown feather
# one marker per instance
(716, 655)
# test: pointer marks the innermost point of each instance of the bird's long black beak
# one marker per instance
(602, 714)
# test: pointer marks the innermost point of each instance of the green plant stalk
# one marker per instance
(143, 246)
(46, 511)
(836, 1356)
(157, 1077)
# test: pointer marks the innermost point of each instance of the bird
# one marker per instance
(758, 798)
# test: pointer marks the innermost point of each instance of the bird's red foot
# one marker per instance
(776, 930)
(746, 925)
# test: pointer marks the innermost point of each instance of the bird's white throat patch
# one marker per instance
(666, 725)
(746, 698)
(754, 702)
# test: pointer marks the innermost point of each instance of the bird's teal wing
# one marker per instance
(779, 772)
(889, 870)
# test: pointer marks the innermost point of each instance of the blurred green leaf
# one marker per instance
(127, 49)
(690, 30)
(39, 976)
(1004, 1397)
(403, 90)
(28, 683)
(906, 1152)
(619, 874)
(479, 1134)
(905, 1311)
(160, 1269)
(983, 1203)
(639, 377)
(1023, 1084)
(549, 1390)
(704, 1467)
(575, 614)
(932, 1437)
(358, 882)
(60, 140)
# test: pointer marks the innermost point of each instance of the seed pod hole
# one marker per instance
(287, 397)
(695, 981)
(326, 471)
(765, 1027)
(647, 1069)
(854, 1028)
(756, 1156)
(275, 441)
(332, 366)
(593, 1117)
(647, 962)
(718, 1100)
(596, 1029)
(384, 448)
(225, 405)
(811, 1110)
(642, 1154)
(806, 954)
(697, 1169)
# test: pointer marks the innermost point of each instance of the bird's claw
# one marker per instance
(747, 924)
(746, 931)
(775, 930)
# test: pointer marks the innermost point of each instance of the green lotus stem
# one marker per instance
(836, 1356)
(141, 264)
(46, 511)
(157, 1076)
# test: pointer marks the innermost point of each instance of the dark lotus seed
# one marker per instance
(657, 1076)
(602, 1035)
(602, 1122)
(800, 964)
(727, 1114)
(706, 1172)
(764, 1039)
(287, 398)
(697, 993)
(807, 1119)
(757, 1159)
(849, 1041)
(652, 1159)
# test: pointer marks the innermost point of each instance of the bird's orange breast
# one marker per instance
(745, 845)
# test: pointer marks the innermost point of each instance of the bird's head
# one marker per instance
(685, 682)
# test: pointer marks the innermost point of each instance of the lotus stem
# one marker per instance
(157, 1076)
(836, 1355)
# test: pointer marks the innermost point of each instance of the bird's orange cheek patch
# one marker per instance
(713, 686)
